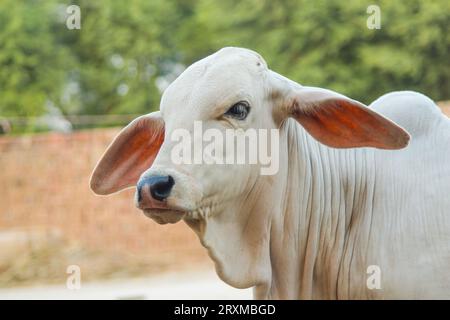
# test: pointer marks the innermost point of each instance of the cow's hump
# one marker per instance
(415, 112)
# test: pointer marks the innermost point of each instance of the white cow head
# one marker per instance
(229, 205)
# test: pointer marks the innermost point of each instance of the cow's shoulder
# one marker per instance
(415, 112)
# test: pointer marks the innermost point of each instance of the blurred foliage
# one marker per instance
(327, 43)
(32, 63)
(114, 63)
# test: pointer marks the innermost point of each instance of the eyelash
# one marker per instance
(239, 110)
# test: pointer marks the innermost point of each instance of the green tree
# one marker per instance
(32, 63)
(121, 50)
(113, 64)
(328, 44)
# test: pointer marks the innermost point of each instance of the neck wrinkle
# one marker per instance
(309, 231)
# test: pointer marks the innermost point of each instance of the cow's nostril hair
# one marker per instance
(160, 186)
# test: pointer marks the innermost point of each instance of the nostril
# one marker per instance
(161, 187)
(156, 187)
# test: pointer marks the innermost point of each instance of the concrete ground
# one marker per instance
(183, 286)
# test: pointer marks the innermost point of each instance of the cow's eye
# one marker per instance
(239, 110)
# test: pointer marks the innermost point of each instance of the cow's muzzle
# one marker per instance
(153, 191)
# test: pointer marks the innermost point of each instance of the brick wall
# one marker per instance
(44, 186)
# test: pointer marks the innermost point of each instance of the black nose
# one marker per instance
(160, 187)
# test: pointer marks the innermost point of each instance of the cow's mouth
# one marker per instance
(165, 215)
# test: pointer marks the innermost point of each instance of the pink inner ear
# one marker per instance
(134, 157)
(342, 123)
(129, 155)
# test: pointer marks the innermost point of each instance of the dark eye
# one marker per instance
(239, 110)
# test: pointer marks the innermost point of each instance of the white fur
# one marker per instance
(313, 229)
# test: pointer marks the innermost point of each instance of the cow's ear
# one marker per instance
(338, 121)
(131, 153)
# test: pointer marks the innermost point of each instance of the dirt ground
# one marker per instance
(193, 285)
